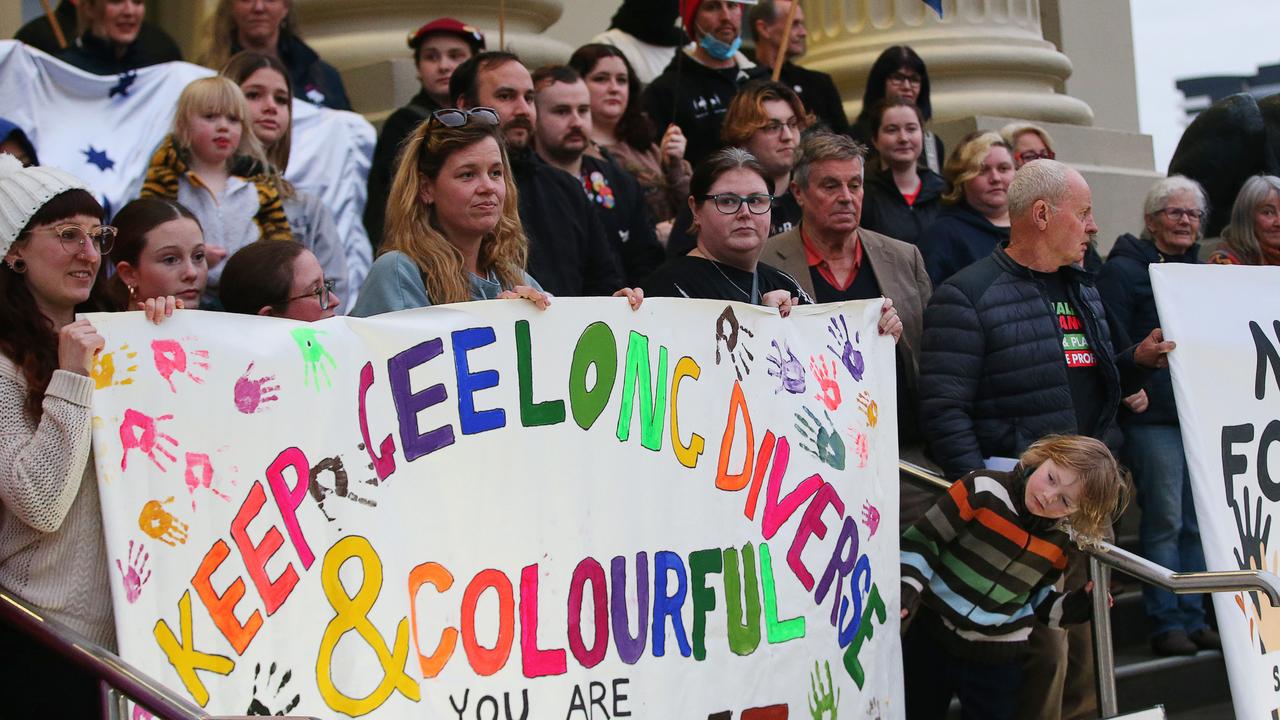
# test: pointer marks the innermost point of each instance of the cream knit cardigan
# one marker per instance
(52, 552)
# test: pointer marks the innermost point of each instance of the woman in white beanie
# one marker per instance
(52, 552)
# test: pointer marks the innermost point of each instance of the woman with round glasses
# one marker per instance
(453, 232)
(52, 552)
(277, 279)
(899, 73)
(731, 196)
(1253, 235)
(1173, 216)
(1029, 142)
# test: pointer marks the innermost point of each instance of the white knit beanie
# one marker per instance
(23, 191)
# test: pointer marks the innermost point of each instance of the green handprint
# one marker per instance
(824, 699)
(314, 355)
(821, 440)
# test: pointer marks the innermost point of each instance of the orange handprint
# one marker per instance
(160, 524)
(104, 368)
(869, 408)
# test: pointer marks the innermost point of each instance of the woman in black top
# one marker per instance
(902, 198)
(113, 41)
(731, 198)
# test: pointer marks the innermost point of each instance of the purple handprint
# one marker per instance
(788, 369)
(851, 358)
(252, 394)
(138, 574)
(870, 518)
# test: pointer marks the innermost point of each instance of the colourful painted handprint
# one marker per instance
(828, 383)
(104, 372)
(849, 355)
(173, 358)
(314, 356)
(161, 525)
(252, 394)
(820, 439)
(141, 432)
(787, 368)
(138, 573)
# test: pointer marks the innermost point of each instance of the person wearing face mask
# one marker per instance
(112, 41)
(976, 217)
(695, 90)
(439, 47)
(152, 43)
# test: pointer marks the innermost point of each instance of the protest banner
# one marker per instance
(487, 511)
(1226, 378)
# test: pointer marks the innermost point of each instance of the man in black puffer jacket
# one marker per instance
(1015, 347)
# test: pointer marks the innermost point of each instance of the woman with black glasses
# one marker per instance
(899, 73)
(277, 279)
(52, 552)
(731, 197)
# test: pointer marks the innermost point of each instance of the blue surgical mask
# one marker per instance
(718, 49)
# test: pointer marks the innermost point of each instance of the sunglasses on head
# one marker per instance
(457, 117)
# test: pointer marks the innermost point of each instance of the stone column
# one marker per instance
(985, 57)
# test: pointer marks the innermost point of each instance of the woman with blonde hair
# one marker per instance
(1253, 235)
(1029, 142)
(975, 218)
(453, 229)
(270, 27)
(214, 166)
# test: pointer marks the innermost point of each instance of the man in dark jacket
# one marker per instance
(695, 90)
(568, 251)
(1017, 346)
(563, 136)
(438, 47)
(767, 20)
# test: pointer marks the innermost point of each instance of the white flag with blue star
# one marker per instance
(104, 128)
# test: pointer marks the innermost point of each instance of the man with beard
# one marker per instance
(568, 251)
(695, 90)
(768, 20)
(563, 134)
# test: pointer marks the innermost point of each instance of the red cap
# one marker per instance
(453, 27)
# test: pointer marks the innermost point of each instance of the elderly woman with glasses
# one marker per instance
(731, 196)
(1173, 216)
(277, 279)
(52, 552)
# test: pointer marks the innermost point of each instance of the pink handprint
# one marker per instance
(860, 446)
(870, 518)
(200, 475)
(252, 394)
(827, 382)
(140, 432)
(138, 574)
(172, 358)
(140, 714)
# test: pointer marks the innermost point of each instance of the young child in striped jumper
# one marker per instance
(978, 570)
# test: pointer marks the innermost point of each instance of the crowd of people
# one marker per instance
(660, 161)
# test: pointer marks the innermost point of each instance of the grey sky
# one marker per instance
(1174, 39)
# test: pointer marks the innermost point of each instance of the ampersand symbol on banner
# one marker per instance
(352, 614)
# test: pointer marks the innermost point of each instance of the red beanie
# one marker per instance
(689, 8)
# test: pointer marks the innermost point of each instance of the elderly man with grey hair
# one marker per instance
(1017, 346)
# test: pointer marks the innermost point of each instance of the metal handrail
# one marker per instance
(1105, 553)
(103, 664)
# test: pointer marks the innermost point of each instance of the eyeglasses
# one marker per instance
(1031, 155)
(73, 237)
(457, 117)
(774, 127)
(905, 79)
(323, 293)
(730, 203)
(1176, 214)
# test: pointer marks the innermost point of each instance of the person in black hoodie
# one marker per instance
(1173, 212)
(695, 90)
(269, 27)
(767, 19)
(116, 40)
(975, 218)
(439, 47)
(569, 253)
(902, 198)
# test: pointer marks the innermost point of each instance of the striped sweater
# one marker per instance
(985, 566)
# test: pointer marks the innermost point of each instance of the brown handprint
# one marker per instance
(141, 432)
(869, 408)
(171, 358)
(159, 524)
(733, 334)
(828, 384)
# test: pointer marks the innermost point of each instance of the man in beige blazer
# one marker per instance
(833, 260)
